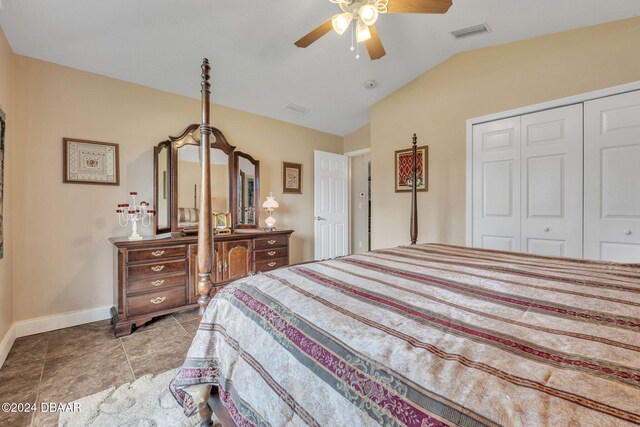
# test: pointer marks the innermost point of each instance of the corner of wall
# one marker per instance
(7, 319)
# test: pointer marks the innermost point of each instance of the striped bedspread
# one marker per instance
(427, 335)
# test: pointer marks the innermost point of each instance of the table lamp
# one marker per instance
(270, 204)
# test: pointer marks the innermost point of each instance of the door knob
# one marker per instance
(319, 218)
(547, 229)
(627, 232)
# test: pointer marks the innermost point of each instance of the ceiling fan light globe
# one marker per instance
(341, 22)
(362, 32)
(369, 14)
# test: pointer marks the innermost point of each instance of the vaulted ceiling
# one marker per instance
(256, 67)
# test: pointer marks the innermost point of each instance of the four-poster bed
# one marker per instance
(418, 335)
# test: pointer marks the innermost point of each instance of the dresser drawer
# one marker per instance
(155, 284)
(156, 269)
(267, 265)
(270, 242)
(156, 301)
(271, 254)
(152, 254)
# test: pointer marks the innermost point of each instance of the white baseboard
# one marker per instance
(59, 321)
(7, 343)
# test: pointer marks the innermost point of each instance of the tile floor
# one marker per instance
(64, 365)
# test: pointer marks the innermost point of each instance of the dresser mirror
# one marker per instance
(161, 188)
(235, 184)
(246, 184)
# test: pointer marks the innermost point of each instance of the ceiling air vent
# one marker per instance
(297, 109)
(474, 30)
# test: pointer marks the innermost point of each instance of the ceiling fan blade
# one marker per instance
(419, 6)
(315, 34)
(374, 44)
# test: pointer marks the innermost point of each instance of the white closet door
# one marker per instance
(496, 185)
(612, 178)
(551, 194)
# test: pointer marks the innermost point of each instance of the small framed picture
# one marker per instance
(90, 162)
(404, 169)
(291, 178)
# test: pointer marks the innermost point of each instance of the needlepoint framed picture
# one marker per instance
(90, 162)
(291, 178)
(404, 169)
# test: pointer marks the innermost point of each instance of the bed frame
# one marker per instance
(205, 233)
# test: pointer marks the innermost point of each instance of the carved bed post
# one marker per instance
(205, 235)
(414, 191)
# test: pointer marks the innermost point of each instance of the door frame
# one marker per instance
(348, 202)
(350, 155)
(548, 105)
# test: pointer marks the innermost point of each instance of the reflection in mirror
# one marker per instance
(246, 192)
(162, 186)
(189, 177)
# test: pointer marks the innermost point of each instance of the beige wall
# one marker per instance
(437, 104)
(358, 139)
(63, 261)
(6, 290)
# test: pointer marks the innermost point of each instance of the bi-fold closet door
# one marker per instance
(612, 178)
(527, 183)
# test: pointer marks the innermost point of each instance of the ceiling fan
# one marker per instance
(365, 13)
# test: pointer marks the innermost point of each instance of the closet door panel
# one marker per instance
(612, 178)
(551, 187)
(496, 183)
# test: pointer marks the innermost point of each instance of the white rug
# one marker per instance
(146, 402)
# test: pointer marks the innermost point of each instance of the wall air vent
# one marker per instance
(474, 30)
(297, 109)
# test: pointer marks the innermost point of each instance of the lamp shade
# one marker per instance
(341, 22)
(270, 203)
(362, 32)
(369, 14)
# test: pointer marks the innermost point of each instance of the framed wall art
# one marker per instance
(291, 178)
(404, 166)
(90, 162)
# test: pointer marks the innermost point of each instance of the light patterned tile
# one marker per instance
(156, 341)
(62, 367)
(155, 363)
(187, 315)
(191, 326)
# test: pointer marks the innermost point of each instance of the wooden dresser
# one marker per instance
(158, 276)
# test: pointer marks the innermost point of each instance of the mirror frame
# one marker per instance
(175, 142)
(233, 204)
(156, 152)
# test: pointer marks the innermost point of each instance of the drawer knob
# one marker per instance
(157, 253)
(272, 263)
(157, 282)
(627, 232)
(271, 253)
(272, 242)
(547, 229)
(158, 300)
(157, 268)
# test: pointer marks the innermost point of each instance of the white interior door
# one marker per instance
(331, 205)
(612, 178)
(551, 195)
(496, 185)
